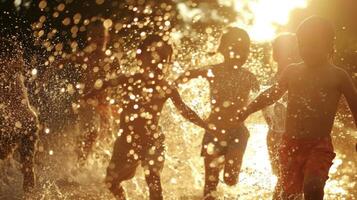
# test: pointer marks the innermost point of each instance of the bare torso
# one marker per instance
(313, 97)
(230, 90)
(142, 102)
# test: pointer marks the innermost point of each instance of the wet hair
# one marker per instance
(287, 43)
(238, 39)
(316, 27)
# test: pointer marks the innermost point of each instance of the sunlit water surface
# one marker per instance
(60, 177)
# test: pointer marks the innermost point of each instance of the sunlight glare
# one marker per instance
(265, 16)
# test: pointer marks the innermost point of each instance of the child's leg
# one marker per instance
(105, 114)
(211, 152)
(89, 121)
(232, 166)
(273, 140)
(27, 149)
(291, 175)
(316, 170)
(153, 180)
(153, 163)
(314, 188)
(234, 155)
(121, 167)
(212, 169)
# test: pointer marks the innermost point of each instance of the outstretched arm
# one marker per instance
(188, 75)
(349, 90)
(266, 98)
(106, 84)
(186, 111)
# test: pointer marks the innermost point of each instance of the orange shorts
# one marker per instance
(302, 159)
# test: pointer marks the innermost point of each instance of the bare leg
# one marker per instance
(87, 145)
(211, 178)
(121, 168)
(273, 141)
(90, 128)
(317, 169)
(234, 158)
(117, 190)
(232, 167)
(94, 133)
(313, 188)
(153, 161)
(154, 183)
(27, 152)
(105, 113)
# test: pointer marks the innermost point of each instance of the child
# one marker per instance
(143, 97)
(18, 121)
(230, 86)
(95, 66)
(285, 52)
(95, 113)
(314, 88)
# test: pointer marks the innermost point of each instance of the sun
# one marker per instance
(261, 18)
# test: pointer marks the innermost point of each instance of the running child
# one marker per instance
(18, 121)
(143, 97)
(230, 88)
(314, 89)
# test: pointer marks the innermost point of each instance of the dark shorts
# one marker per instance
(132, 150)
(302, 159)
(236, 138)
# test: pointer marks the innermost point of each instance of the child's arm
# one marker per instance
(191, 74)
(106, 84)
(349, 90)
(268, 97)
(255, 83)
(186, 111)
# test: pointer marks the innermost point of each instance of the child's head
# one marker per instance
(153, 54)
(235, 45)
(316, 37)
(97, 33)
(11, 58)
(285, 49)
